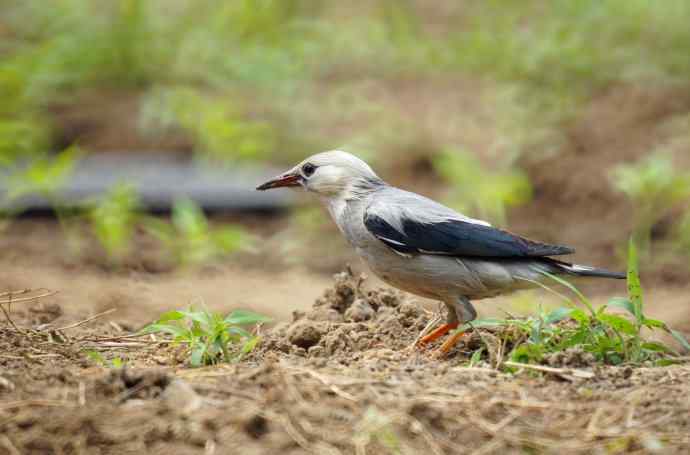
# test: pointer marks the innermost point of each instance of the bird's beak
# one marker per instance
(290, 178)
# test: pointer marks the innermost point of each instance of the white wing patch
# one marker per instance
(386, 239)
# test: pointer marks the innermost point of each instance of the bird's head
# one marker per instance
(329, 174)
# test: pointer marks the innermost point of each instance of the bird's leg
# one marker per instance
(439, 332)
(451, 324)
(451, 342)
(464, 312)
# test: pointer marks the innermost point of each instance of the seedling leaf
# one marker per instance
(622, 303)
(244, 317)
(618, 323)
(557, 315)
(680, 338)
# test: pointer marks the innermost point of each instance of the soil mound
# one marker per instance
(348, 319)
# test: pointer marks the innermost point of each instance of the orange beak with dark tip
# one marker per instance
(289, 179)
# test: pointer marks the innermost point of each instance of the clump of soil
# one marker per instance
(127, 384)
(571, 357)
(347, 320)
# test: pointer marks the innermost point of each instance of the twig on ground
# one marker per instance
(35, 402)
(87, 320)
(11, 296)
(324, 380)
(565, 373)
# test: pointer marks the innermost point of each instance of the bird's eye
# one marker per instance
(308, 169)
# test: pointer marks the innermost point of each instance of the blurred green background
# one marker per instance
(568, 120)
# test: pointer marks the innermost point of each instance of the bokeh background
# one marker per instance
(567, 121)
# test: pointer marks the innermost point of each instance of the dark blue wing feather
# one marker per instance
(457, 238)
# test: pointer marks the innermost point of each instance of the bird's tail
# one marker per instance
(584, 270)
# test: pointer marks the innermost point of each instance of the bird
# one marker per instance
(423, 247)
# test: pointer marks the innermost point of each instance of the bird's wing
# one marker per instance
(412, 224)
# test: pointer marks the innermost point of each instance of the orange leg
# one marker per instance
(450, 342)
(438, 332)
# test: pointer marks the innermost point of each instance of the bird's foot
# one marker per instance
(449, 344)
(438, 333)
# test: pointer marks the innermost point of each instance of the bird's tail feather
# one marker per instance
(584, 270)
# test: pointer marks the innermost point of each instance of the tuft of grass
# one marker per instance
(190, 240)
(207, 335)
(479, 191)
(612, 337)
(113, 220)
(655, 187)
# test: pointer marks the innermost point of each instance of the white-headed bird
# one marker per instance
(423, 247)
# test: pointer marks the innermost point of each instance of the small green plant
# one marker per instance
(191, 240)
(612, 338)
(97, 357)
(207, 335)
(655, 187)
(377, 427)
(478, 191)
(43, 176)
(113, 220)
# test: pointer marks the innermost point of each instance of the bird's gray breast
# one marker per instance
(401, 271)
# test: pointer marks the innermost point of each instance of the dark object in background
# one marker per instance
(160, 179)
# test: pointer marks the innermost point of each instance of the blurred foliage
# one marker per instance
(564, 49)
(113, 220)
(655, 187)
(43, 176)
(20, 139)
(274, 53)
(478, 191)
(189, 238)
(276, 79)
(683, 232)
(214, 125)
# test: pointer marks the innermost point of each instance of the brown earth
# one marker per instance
(342, 377)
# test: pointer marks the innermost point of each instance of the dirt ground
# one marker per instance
(342, 376)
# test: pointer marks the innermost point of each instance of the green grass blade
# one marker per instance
(618, 323)
(634, 286)
(479, 323)
(170, 316)
(585, 301)
(622, 303)
(557, 315)
(549, 289)
(172, 329)
(239, 331)
(680, 338)
(476, 357)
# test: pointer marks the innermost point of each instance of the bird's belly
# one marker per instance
(444, 277)
(414, 274)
